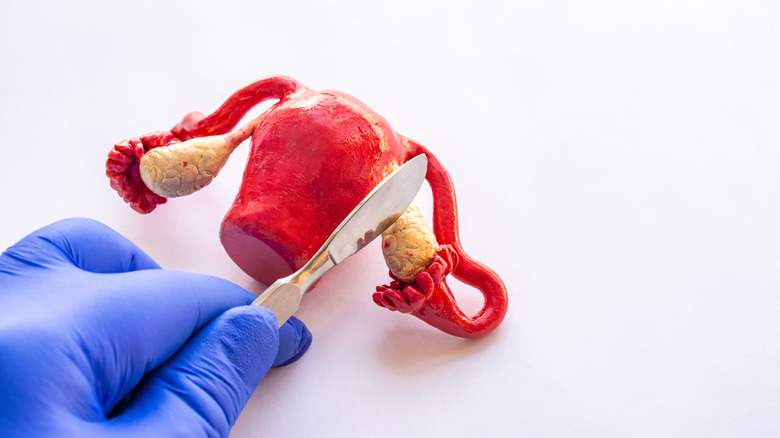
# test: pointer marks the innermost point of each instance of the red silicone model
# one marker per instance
(314, 156)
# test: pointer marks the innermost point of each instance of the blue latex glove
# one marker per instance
(97, 340)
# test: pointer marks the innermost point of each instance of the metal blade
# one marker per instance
(378, 210)
(375, 213)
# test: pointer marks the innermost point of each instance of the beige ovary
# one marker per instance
(409, 245)
(184, 168)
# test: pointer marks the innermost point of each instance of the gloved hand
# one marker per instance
(97, 340)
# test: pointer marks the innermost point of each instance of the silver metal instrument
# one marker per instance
(372, 216)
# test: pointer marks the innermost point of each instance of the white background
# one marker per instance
(616, 163)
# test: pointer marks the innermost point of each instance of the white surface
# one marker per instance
(616, 163)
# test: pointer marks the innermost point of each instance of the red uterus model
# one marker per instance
(315, 155)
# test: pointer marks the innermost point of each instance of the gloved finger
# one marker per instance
(294, 340)
(85, 243)
(204, 387)
(143, 318)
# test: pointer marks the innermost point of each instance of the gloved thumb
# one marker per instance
(201, 390)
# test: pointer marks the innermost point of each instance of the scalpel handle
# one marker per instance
(283, 297)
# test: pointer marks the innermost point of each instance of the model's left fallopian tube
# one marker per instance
(314, 156)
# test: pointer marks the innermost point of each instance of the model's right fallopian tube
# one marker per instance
(314, 156)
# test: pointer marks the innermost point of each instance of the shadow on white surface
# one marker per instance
(410, 348)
